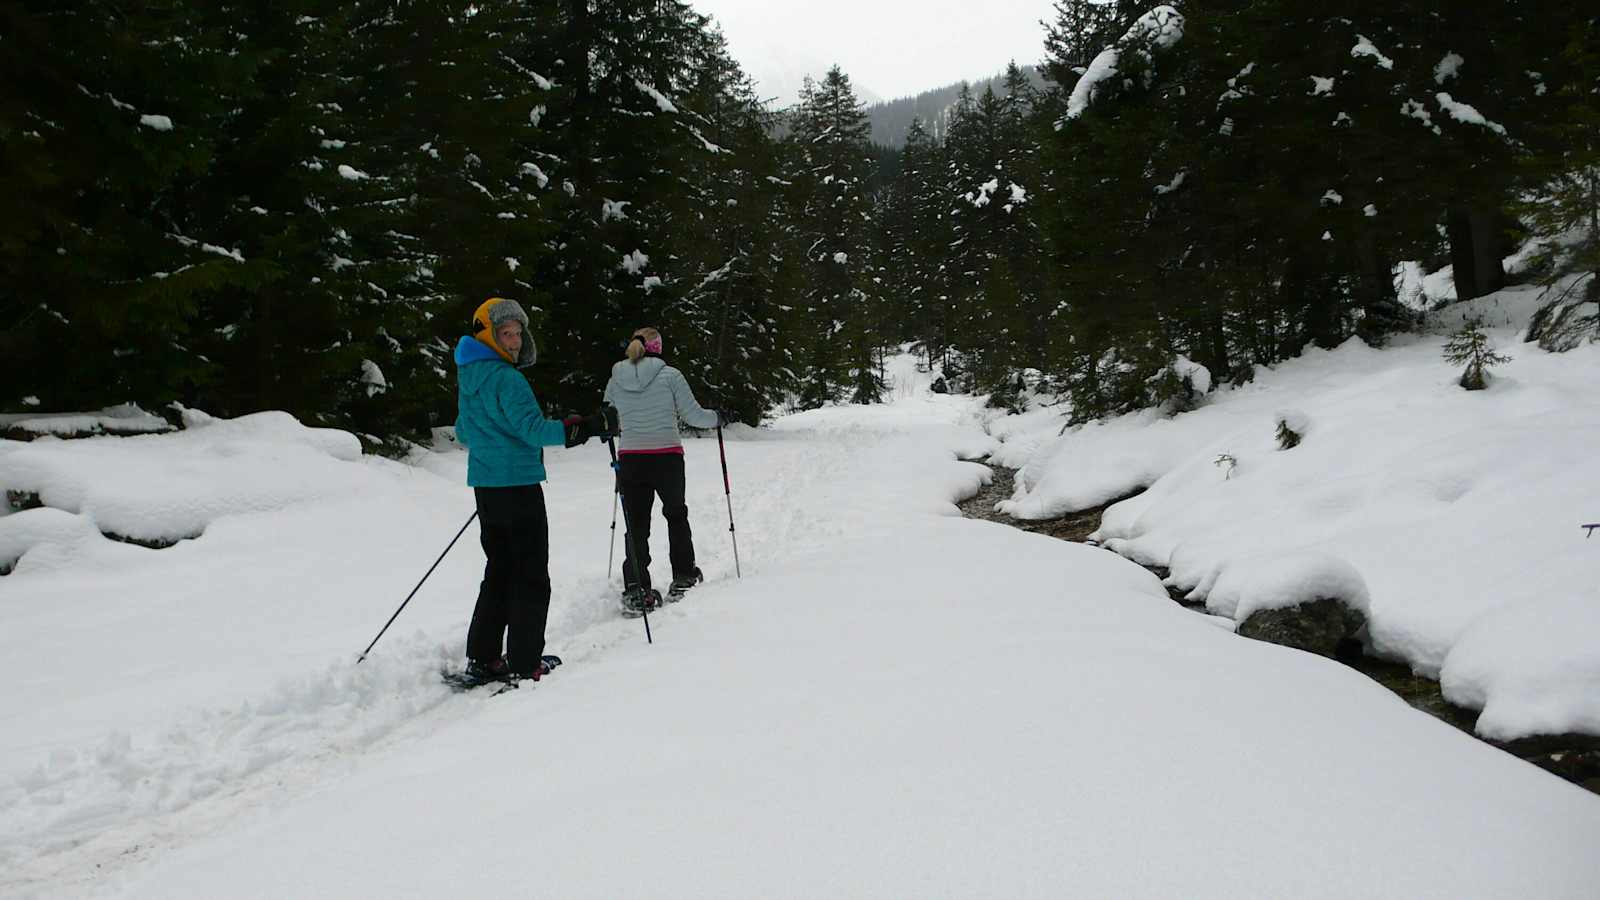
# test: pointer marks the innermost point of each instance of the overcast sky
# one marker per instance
(889, 48)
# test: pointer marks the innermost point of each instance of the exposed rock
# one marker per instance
(1319, 626)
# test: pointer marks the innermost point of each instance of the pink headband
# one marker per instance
(653, 345)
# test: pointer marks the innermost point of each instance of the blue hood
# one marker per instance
(469, 352)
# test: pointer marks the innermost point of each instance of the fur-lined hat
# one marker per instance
(497, 311)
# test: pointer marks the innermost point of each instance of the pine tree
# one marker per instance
(1563, 168)
(828, 174)
(1470, 347)
(107, 112)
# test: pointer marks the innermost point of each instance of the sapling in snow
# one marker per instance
(1470, 347)
(1227, 462)
(1292, 428)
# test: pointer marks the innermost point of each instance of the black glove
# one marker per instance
(581, 428)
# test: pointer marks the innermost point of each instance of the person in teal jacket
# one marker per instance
(505, 432)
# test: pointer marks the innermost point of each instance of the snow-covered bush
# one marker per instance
(1180, 386)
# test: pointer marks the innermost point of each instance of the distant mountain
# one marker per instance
(892, 118)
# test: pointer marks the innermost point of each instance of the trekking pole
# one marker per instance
(727, 492)
(414, 590)
(611, 555)
(612, 427)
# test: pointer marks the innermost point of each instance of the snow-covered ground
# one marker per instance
(892, 701)
(1451, 516)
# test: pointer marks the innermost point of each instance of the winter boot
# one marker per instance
(481, 672)
(546, 664)
(682, 583)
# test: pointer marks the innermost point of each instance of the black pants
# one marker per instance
(515, 593)
(642, 476)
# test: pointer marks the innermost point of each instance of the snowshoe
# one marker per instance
(682, 583)
(479, 673)
(637, 601)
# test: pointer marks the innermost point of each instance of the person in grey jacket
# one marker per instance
(650, 397)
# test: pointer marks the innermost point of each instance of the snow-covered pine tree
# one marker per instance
(1564, 204)
(106, 112)
(996, 247)
(725, 225)
(914, 225)
(827, 171)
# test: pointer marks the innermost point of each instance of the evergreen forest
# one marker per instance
(297, 205)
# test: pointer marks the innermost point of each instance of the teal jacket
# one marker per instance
(499, 420)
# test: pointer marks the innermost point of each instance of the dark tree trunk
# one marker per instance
(1476, 246)
(1463, 252)
(1488, 248)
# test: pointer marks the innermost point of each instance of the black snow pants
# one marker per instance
(642, 476)
(514, 598)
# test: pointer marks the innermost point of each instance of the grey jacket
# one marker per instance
(650, 397)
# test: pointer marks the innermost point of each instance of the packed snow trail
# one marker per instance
(890, 719)
(892, 701)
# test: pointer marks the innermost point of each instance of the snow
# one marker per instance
(1161, 27)
(662, 103)
(891, 701)
(1365, 47)
(634, 263)
(1332, 197)
(234, 255)
(164, 487)
(1101, 69)
(156, 123)
(537, 173)
(1249, 584)
(127, 418)
(1417, 111)
(980, 198)
(1321, 86)
(1466, 112)
(1447, 68)
(841, 257)
(350, 173)
(372, 378)
(613, 209)
(1455, 509)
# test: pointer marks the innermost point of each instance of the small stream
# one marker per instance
(1573, 757)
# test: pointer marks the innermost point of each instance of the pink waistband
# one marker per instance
(658, 451)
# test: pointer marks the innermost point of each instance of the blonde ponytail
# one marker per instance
(645, 340)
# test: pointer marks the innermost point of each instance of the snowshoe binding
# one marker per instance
(479, 673)
(638, 601)
(682, 583)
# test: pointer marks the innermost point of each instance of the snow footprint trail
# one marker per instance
(130, 793)
(80, 795)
